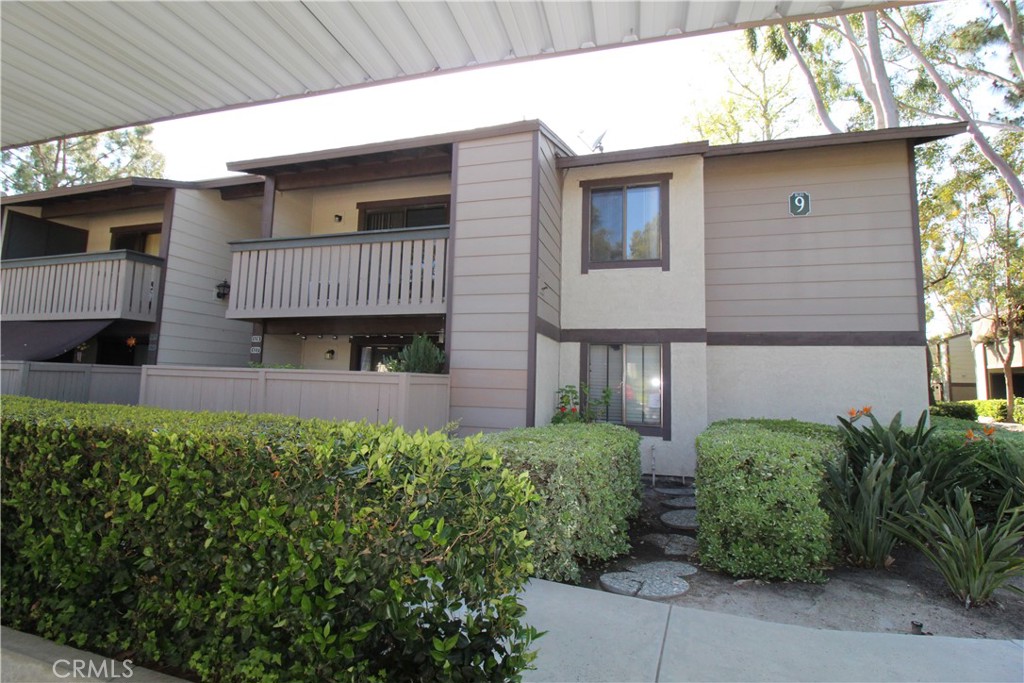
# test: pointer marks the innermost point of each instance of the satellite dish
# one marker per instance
(597, 145)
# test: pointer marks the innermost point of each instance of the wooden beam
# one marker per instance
(364, 173)
(136, 200)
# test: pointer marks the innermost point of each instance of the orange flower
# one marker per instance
(970, 435)
(276, 474)
(989, 431)
(866, 410)
(853, 412)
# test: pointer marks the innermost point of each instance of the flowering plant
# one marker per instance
(576, 405)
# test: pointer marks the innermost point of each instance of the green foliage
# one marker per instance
(974, 560)
(995, 408)
(571, 408)
(422, 355)
(263, 548)
(962, 410)
(758, 488)
(78, 161)
(588, 480)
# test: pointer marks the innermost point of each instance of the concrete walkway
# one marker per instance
(595, 636)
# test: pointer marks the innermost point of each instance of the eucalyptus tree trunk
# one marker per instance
(819, 102)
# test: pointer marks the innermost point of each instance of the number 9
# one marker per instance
(800, 202)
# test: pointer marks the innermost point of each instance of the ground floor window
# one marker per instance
(633, 374)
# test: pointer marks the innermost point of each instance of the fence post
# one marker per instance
(402, 409)
(26, 368)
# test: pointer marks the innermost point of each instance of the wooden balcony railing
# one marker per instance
(386, 272)
(111, 284)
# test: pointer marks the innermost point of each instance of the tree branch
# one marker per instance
(891, 116)
(1008, 15)
(819, 103)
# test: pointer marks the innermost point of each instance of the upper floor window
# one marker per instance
(625, 222)
(415, 212)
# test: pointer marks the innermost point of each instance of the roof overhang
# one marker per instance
(123, 187)
(75, 67)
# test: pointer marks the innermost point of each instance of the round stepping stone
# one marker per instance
(684, 520)
(652, 580)
(681, 503)
(674, 490)
(673, 544)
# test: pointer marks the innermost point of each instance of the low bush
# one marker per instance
(962, 410)
(758, 489)
(588, 480)
(263, 548)
(974, 559)
(995, 408)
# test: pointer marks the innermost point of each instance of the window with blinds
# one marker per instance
(402, 214)
(633, 374)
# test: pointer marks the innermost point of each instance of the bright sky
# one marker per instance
(641, 94)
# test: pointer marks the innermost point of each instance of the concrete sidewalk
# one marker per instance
(595, 636)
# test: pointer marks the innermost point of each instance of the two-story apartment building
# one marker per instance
(124, 272)
(694, 282)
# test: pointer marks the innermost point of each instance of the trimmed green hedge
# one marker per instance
(588, 480)
(263, 548)
(758, 498)
(962, 410)
(996, 409)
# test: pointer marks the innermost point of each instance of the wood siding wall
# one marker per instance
(194, 330)
(79, 383)
(549, 256)
(850, 265)
(490, 308)
(961, 360)
(413, 401)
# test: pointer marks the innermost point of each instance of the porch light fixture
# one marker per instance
(329, 354)
(223, 289)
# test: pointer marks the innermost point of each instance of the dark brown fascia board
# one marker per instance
(105, 186)
(915, 134)
(270, 164)
(229, 181)
(644, 154)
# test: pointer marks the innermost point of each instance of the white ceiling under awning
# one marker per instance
(75, 67)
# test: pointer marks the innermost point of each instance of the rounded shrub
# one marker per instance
(961, 410)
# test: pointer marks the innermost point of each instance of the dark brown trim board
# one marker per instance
(531, 329)
(548, 330)
(636, 336)
(450, 293)
(645, 154)
(915, 231)
(662, 179)
(816, 339)
(665, 430)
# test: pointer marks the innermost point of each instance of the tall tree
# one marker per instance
(79, 160)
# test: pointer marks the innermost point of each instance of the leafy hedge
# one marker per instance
(758, 489)
(962, 410)
(996, 409)
(263, 548)
(588, 480)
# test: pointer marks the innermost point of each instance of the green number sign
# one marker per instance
(799, 203)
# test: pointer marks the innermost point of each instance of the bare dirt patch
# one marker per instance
(883, 601)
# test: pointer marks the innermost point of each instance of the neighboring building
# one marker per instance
(954, 357)
(777, 279)
(124, 272)
(990, 379)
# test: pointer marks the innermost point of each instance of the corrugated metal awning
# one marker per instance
(74, 67)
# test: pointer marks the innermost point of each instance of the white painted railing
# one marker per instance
(111, 284)
(386, 272)
(413, 401)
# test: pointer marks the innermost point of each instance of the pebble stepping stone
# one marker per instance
(681, 503)
(651, 580)
(684, 520)
(673, 544)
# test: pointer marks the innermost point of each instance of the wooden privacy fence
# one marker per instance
(385, 272)
(413, 401)
(80, 383)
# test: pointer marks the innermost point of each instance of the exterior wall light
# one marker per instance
(329, 354)
(223, 289)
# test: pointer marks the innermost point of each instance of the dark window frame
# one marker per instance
(665, 429)
(145, 229)
(659, 179)
(406, 203)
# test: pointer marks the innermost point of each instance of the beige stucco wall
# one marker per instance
(311, 212)
(815, 383)
(638, 297)
(99, 226)
(282, 349)
(546, 379)
(313, 350)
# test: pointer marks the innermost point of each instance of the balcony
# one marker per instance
(107, 285)
(385, 272)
